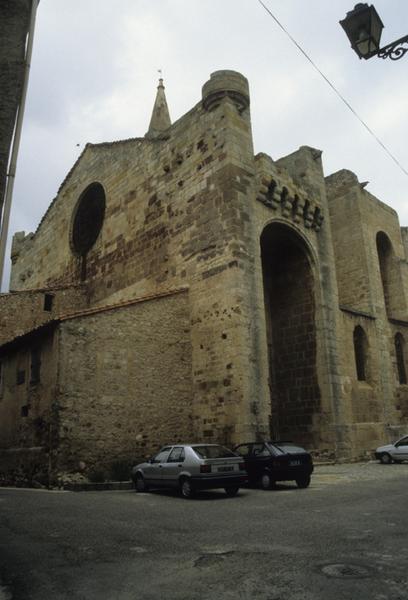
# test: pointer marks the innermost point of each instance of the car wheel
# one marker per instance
(385, 458)
(303, 482)
(232, 491)
(266, 481)
(186, 488)
(140, 484)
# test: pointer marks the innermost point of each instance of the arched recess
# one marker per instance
(389, 271)
(400, 355)
(361, 353)
(291, 333)
(87, 222)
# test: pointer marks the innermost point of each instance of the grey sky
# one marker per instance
(94, 77)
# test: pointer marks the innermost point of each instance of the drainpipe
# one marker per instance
(16, 142)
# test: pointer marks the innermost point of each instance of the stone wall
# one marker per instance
(22, 311)
(26, 395)
(401, 389)
(178, 211)
(371, 270)
(190, 208)
(124, 384)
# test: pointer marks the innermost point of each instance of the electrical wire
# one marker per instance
(298, 46)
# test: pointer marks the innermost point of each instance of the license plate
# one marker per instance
(224, 469)
(295, 463)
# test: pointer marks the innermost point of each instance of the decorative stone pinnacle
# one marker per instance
(160, 120)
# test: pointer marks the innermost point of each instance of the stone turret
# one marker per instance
(160, 120)
(226, 83)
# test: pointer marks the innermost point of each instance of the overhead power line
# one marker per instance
(336, 91)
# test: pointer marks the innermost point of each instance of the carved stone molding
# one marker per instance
(292, 206)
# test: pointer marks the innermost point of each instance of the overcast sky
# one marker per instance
(94, 77)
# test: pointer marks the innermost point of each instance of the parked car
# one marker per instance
(191, 467)
(268, 462)
(396, 452)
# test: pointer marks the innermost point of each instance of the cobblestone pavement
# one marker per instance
(328, 474)
(342, 538)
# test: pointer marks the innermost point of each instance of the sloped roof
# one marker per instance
(52, 323)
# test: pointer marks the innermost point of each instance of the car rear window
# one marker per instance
(213, 452)
(289, 448)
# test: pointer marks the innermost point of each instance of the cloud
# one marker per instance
(94, 77)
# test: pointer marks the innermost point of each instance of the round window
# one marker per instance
(88, 218)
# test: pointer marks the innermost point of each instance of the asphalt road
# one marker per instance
(345, 537)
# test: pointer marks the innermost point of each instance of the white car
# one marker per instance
(396, 452)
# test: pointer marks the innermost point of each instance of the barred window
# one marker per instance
(48, 302)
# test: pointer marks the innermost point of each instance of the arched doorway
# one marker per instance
(291, 333)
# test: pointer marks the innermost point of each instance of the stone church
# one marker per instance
(181, 288)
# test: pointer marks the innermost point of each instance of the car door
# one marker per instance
(401, 449)
(260, 458)
(257, 458)
(244, 450)
(153, 471)
(171, 469)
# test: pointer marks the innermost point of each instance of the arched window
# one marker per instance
(399, 351)
(385, 259)
(360, 352)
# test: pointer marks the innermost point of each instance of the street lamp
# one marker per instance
(363, 28)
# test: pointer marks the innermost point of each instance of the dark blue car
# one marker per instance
(268, 462)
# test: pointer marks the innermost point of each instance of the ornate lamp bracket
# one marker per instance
(395, 50)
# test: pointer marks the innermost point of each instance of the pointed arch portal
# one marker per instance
(291, 333)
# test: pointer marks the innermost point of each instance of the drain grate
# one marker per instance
(212, 559)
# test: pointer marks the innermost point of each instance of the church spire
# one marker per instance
(160, 120)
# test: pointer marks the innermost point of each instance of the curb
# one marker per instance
(98, 487)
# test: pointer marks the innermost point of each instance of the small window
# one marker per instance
(400, 354)
(244, 450)
(176, 455)
(48, 302)
(360, 352)
(20, 377)
(213, 452)
(260, 450)
(35, 365)
(162, 456)
(24, 411)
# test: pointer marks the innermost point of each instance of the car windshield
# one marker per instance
(213, 452)
(288, 448)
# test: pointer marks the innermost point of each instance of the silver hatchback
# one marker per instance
(191, 467)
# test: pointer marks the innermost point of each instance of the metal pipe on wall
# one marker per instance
(16, 142)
